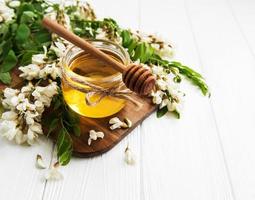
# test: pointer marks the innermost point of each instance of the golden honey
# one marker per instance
(89, 69)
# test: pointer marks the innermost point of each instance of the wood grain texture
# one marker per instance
(111, 137)
(186, 159)
(231, 76)
(20, 179)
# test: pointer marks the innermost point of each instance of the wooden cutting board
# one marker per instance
(112, 137)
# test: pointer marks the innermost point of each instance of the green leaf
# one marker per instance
(14, 28)
(26, 58)
(64, 147)
(26, 13)
(192, 75)
(126, 38)
(71, 119)
(5, 78)
(77, 130)
(23, 33)
(53, 126)
(139, 50)
(162, 111)
(30, 45)
(57, 104)
(148, 52)
(38, 6)
(1, 107)
(9, 62)
(143, 52)
(65, 158)
(24, 7)
(42, 36)
(186, 69)
(60, 141)
(132, 46)
(176, 114)
(4, 29)
(195, 77)
(5, 47)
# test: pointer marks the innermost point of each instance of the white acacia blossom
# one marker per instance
(101, 34)
(30, 71)
(166, 93)
(8, 129)
(59, 48)
(94, 135)
(42, 69)
(6, 13)
(53, 173)
(162, 47)
(21, 120)
(14, 4)
(40, 164)
(129, 156)
(40, 59)
(115, 123)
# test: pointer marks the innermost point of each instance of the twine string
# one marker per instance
(119, 91)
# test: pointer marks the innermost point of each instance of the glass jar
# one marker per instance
(84, 74)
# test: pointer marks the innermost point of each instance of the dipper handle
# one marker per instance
(83, 44)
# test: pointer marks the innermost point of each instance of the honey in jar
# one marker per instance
(80, 68)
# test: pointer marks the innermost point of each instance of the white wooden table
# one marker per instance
(209, 154)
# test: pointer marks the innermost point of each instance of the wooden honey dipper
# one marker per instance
(135, 77)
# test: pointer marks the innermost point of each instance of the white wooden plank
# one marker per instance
(126, 13)
(103, 177)
(106, 176)
(181, 159)
(19, 176)
(243, 13)
(229, 65)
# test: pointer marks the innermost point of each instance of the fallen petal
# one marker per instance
(53, 173)
(89, 141)
(114, 120)
(116, 125)
(129, 157)
(39, 162)
(100, 134)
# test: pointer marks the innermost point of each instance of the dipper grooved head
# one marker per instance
(139, 79)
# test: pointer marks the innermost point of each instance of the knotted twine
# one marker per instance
(119, 91)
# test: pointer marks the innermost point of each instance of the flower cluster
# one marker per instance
(21, 121)
(24, 108)
(41, 67)
(162, 47)
(166, 93)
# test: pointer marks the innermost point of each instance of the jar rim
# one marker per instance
(120, 52)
